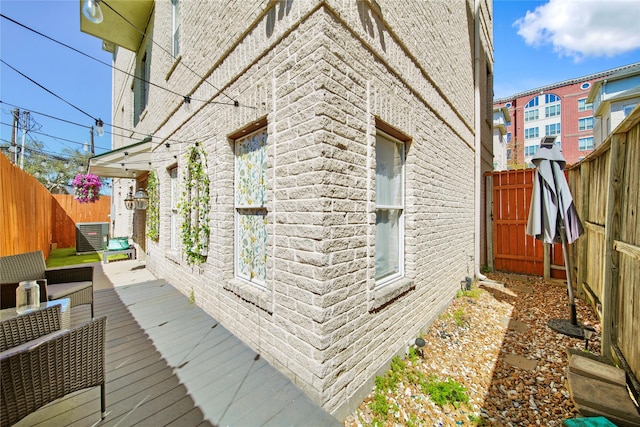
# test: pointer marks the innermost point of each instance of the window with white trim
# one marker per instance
(250, 208)
(550, 97)
(532, 133)
(531, 115)
(530, 150)
(141, 85)
(175, 27)
(174, 195)
(585, 123)
(552, 110)
(585, 143)
(389, 249)
(583, 105)
(552, 129)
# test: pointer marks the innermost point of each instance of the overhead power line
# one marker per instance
(47, 90)
(235, 102)
(109, 65)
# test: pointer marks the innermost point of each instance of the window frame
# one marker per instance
(250, 210)
(585, 147)
(552, 110)
(552, 129)
(551, 98)
(141, 85)
(532, 132)
(532, 115)
(528, 148)
(583, 105)
(588, 123)
(401, 208)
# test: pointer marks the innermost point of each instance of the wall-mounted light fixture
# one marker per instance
(92, 11)
(128, 201)
(187, 103)
(141, 199)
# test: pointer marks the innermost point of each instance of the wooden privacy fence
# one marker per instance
(33, 219)
(509, 247)
(66, 212)
(606, 189)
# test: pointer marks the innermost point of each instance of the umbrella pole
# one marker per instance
(567, 266)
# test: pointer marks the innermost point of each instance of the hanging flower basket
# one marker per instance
(86, 188)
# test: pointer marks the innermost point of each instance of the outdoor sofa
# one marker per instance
(40, 362)
(75, 283)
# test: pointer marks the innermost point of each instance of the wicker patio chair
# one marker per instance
(40, 363)
(75, 283)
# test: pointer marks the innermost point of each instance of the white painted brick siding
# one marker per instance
(321, 73)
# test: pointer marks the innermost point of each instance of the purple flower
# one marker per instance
(86, 188)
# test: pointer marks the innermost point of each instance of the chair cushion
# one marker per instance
(118, 244)
(61, 290)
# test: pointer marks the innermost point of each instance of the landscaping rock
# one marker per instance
(480, 353)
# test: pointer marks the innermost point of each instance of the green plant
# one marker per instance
(379, 405)
(192, 296)
(153, 210)
(413, 354)
(477, 420)
(471, 293)
(486, 269)
(443, 392)
(413, 421)
(458, 317)
(194, 207)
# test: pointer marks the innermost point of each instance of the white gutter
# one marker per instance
(478, 143)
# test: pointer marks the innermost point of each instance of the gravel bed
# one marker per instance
(495, 342)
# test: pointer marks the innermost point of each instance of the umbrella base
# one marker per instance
(565, 327)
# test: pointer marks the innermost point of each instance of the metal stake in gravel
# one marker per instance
(553, 219)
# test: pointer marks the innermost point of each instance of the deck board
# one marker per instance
(170, 364)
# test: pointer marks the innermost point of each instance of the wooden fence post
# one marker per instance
(612, 232)
(583, 242)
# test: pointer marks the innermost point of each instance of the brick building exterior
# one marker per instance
(560, 109)
(358, 130)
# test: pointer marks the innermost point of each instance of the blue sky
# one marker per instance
(536, 43)
(79, 80)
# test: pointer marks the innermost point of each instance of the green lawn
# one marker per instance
(67, 256)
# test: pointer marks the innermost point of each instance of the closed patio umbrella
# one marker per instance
(553, 217)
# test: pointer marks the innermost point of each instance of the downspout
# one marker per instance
(478, 142)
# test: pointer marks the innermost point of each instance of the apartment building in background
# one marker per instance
(560, 109)
(613, 99)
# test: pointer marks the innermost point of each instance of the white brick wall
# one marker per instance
(321, 73)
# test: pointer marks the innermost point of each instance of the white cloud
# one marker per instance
(583, 28)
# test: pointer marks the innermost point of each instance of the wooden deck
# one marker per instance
(171, 364)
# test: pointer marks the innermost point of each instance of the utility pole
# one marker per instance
(25, 125)
(14, 134)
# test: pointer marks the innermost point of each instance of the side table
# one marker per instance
(65, 308)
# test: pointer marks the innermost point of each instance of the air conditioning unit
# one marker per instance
(91, 236)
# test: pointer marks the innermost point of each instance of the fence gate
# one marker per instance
(508, 199)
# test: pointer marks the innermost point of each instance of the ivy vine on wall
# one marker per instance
(194, 207)
(153, 211)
